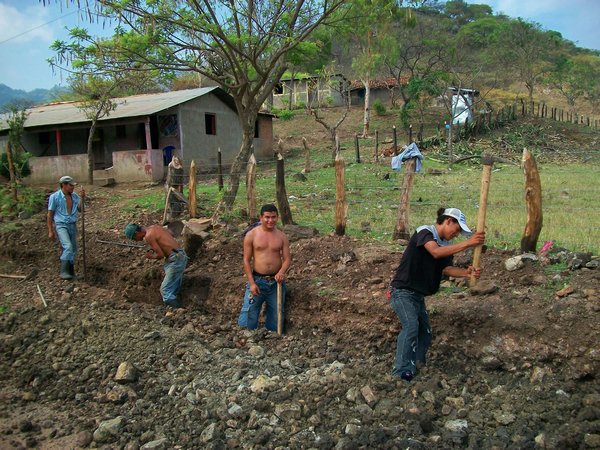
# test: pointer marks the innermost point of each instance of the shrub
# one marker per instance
(21, 162)
(379, 108)
(284, 114)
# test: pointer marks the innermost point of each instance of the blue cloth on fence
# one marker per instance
(410, 151)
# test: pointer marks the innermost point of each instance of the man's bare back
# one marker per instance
(161, 240)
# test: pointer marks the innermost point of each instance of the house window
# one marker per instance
(44, 138)
(278, 89)
(168, 125)
(121, 131)
(210, 121)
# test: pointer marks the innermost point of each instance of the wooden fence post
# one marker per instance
(282, 199)
(192, 191)
(306, 156)
(356, 148)
(341, 207)
(251, 189)
(401, 230)
(395, 140)
(533, 201)
(219, 170)
(376, 146)
(410, 138)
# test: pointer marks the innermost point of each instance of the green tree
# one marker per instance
(575, 78)
(242, 45)
(93, 80)
(525, 51)
(368, 31)
(416, 62)
(14, 149)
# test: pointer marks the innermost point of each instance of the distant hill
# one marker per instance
(36, 97)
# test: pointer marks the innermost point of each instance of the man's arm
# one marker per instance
(458, 272)
(286, 259)
(439, 252)
(50, 220)
(248, 255)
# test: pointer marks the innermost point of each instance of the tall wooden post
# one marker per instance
(306, 156)
(12, 174)
(341, 207)
(192, 191)
(83, 250)
(449, 142)
(219, 170)
(376, 145)
(410, 138)
(282, 199)
(401, 230)
(356, 148)
(395, 139)
(533, 202)
(251, 188)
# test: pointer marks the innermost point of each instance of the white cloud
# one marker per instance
(23, 25)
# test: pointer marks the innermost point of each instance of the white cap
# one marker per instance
(460, 217)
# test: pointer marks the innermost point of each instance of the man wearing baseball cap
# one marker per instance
(426, 259)
(63, 206)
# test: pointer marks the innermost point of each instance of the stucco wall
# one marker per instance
(48, 169)
(137, 165)
(202, 147)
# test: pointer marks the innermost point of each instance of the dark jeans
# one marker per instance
(415, 337)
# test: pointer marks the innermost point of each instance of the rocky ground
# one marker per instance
(105, 365)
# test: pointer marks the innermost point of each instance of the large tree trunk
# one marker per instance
(90, 152)
(11, 173)
(226, 203)
(367, 110)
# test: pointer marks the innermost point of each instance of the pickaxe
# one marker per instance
(29, 276)
(120, 244)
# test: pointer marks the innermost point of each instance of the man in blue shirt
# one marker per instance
(62, 222)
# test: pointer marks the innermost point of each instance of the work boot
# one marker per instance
(72, 269)
(65, 270)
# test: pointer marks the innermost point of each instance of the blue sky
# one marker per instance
(27, 29)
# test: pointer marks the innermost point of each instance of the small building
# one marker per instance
(462, 104)
(382, 89)
(304, 90)
(137, 140)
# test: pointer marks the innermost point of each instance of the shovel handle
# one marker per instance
(279, 309)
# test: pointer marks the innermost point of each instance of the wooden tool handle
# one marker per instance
(279, 307)
(485, 187)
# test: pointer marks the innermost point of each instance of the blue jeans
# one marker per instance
(253, 304)
(174, 267)
(67, 235)
(415, 337)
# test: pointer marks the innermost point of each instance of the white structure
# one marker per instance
(462, 105)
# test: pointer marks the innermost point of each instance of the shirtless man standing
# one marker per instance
(163, 245)
(268, 249)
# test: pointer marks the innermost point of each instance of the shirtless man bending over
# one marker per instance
(165, 246)
(268, 249)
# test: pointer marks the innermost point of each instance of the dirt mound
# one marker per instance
(103, 365)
